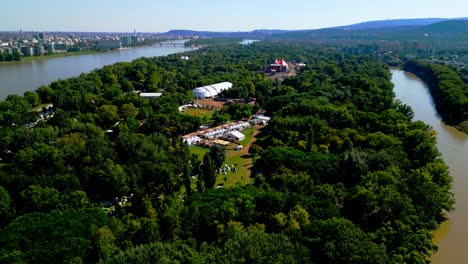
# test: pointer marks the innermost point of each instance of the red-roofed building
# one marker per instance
(277, 66)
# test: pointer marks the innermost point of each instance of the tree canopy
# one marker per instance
(341, 173)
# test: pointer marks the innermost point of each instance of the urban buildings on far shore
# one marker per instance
(42, 43)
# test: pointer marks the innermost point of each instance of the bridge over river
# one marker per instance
(171, 44)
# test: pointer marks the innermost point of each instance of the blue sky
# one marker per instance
(214, 15)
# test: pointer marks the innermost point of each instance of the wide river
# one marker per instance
(452, 236)
(17, 78)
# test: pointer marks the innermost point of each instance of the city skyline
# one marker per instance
(242, 15)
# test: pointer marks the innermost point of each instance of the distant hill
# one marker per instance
(258, 33)
(418, 29)
(393, 23)
(452, 32)
(448, 26)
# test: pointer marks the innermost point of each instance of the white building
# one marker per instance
(191, 140)
(234, 135)
(210, 91)
(109, 44)
(150, 95)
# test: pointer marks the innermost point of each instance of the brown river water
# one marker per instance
(452, 236)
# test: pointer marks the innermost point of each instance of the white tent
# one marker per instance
(235, 135)
(212, 90)
(150, 95)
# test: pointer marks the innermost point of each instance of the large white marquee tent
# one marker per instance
(212, 90)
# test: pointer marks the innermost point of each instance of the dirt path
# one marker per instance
(210, 102)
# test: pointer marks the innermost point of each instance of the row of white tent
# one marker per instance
(183, 107)
(217, 132)
(212, 90)
(220, 132)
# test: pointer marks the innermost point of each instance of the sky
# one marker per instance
(212, 15)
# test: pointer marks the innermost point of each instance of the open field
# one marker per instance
(199, 112)
(210, 102)
(239, 158)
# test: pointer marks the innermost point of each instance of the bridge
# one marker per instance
(171, 44)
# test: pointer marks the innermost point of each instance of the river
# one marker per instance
(452, 236)
(17, 78)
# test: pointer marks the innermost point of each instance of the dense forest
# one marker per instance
(211, 41)
(449, 91)
(90, 172)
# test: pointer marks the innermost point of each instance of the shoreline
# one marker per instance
(462, 126)
(67, 54)
(56, 55)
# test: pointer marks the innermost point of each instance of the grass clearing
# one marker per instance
(242, 162)
(200, 151)
(199, 112)
(249, 133)
(240, 158)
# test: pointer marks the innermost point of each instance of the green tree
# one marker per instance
(6, 210)
(107, 115)
(338, 240)
(212, 162)
(32, 98)
(107, 180)
(128, 110)
(253, 245)
(60, 236)
(36, 198)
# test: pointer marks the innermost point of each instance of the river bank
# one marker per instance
(463, 126)
(52, 56)
(65, 54)
(453, 145)
(59, 55)
(78, 53)
(28, 75)
(447, 91)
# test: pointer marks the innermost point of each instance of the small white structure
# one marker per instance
(234, 135)
(150, 95)
(191, 140)
(210, 91)
(238, 147)
(262, 117)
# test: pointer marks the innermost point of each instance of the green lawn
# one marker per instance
(248, 135)
(242, 176)
(200, 151)
(199, 112)
(240, 158)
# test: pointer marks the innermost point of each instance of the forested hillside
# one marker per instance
(341, 173)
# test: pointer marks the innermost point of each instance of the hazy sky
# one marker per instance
(214, 15)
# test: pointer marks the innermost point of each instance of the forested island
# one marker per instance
(211, 41)
(92, 172)
(448, 89)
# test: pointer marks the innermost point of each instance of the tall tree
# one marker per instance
(212, 162)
